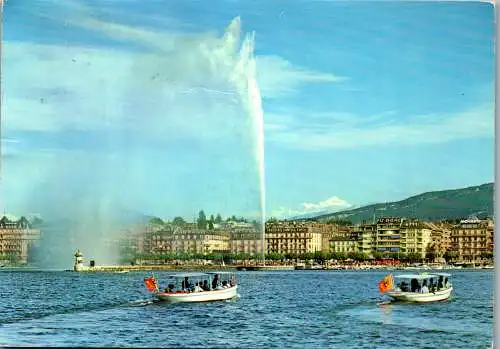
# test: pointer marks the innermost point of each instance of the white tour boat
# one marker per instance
(195, 287)
(422, 288)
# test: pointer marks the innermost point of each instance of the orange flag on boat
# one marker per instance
(151, 283)
(386, 284)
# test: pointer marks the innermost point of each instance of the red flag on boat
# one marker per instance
(151, 283)
(386, 284)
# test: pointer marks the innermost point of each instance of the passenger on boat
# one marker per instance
(440, 282)
(215, 281)
(432, 286)
(224, 284)
(186, 285)
(404, 287)
(424, 289)
(205, 286)
(170, 288)
(197, 287)
(415, 287)
(446, 284)
(233, 281)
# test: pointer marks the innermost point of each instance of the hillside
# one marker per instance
(435, 205)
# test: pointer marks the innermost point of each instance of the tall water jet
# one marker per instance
(159, 97)
(246, 78)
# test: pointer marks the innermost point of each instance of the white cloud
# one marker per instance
(180, 86)
(343, 130)
(331, 204)
(278, 77)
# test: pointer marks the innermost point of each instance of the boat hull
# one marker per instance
(421, 297)
(204, 296)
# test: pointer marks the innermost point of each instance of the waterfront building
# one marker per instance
(245, 238)
(472, 238)
(17, 236)
(295, 237)
(440, 238)
(334, 237)
(173, 239)
(388, 235)
(415, 237)
(364, 235)
(345, 245)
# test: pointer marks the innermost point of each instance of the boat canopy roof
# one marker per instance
(182, 275)
(420, 276)
(443, 274)
(220, 272)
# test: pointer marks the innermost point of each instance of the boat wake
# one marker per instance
(140, 303)
(389, 313)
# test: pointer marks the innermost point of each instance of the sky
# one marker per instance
(133, 104)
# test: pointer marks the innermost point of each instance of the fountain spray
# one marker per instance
(246, 81)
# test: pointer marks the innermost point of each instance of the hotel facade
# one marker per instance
(472, 239)
(17, 236)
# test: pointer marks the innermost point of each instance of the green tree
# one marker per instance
(414, 257)
(218, 219)
(377, 255)
(291, 255)
(430, 253)
(210, 225)
(320, 257)
(37, 222)
(486, 255)
(307, 255)
(358, 256)
(395, 255)
(274, 256)
(156, 220)
(341, 256)
(450, 255)
(212, 219)
(343, 222)
(202, 220)
(178, 221)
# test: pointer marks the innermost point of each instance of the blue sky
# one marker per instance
(130, 103)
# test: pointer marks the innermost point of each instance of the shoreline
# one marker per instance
(270, 267)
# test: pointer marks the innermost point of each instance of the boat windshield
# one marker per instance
(422, 283)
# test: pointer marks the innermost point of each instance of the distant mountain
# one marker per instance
(435, 205)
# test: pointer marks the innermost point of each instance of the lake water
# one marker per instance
(294, 309)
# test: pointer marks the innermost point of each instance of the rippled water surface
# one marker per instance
(295, 309)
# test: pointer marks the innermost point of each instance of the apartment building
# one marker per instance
(344, 245)
(440, 237)
(246, 238)
(335, 238)
(17, 236)
(173, 239)
(415, 236)
(364, 235)
(471, 238)
(388, 235)
(295, 237)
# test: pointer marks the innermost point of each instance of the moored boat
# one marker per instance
(418, 288)
(195, 287)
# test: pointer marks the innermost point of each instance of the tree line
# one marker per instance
(319, 256)
(202, 221)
